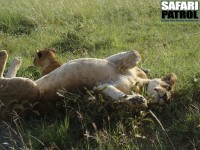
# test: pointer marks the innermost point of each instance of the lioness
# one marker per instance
(114, 76)
(47, 61)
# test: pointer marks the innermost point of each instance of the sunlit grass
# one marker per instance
(99, 28)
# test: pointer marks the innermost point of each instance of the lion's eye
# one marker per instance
(169, 88)
(165, 97)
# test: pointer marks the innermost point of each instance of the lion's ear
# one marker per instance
(170, 79)
(52, 49)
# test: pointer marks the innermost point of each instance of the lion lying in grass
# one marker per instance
(114, 77)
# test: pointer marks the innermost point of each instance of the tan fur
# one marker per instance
(14, 67)
(47, 61)
(103, 75)
(3, 60)
(15, 88)
(11, 88)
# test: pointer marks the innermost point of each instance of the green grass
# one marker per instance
(96, 28)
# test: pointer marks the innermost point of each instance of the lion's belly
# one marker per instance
(81, 73)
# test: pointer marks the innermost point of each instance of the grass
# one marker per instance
(98, 29)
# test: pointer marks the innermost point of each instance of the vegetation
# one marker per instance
(99, 28)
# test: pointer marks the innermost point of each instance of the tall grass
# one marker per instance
(99, 28)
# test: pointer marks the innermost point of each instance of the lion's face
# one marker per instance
(43, 57)
(161, 89)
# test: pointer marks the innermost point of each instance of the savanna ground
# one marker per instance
(99, 28)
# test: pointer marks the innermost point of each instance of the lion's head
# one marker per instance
(43, 57)
(161, 89)
(46, 60)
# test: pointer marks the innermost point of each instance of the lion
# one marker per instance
(12, 87)
(46, 60)
(114, 77)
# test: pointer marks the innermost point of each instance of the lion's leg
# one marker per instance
(14, 67)
(125, 60)
(3, 61)
(115, 94)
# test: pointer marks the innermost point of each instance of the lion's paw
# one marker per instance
(129, 61)
(137, 101)
(17, 61)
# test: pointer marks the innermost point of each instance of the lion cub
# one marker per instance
(47, 61)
